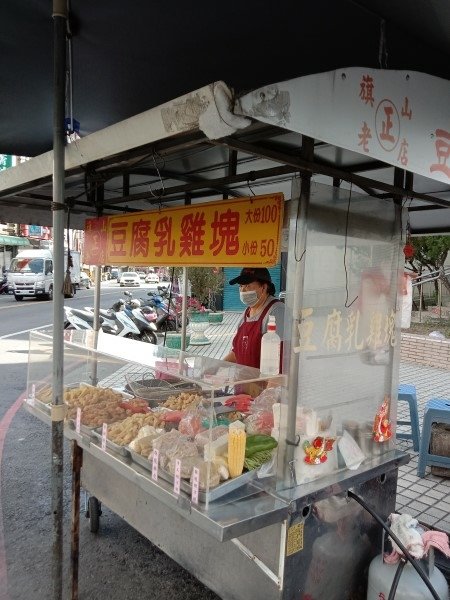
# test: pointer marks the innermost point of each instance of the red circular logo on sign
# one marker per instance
(387, 125)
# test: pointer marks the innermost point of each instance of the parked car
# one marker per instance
(142, 274)
(129, 278)
(115, 274)
(85, 280)
(152, 278)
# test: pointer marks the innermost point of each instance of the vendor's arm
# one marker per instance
(230, 357)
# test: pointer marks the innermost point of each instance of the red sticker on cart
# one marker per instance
(78, 420)
(177, 477)
(155, 463)
(104, 435)
(195, 484)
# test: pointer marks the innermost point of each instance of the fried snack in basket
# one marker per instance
(88, 395)
(102, 412)
(182, 401)
(124, 432)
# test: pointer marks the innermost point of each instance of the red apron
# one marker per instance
(247, 341)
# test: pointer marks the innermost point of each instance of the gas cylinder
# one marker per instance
(410, 586)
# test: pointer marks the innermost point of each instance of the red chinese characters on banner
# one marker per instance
(225, 232)
(192, 234)
(406, 110)
(403, 153)
(442, 145)
(364, 136)
(119, 238)
(366, 90)
(208, 234)
(140, 238)
(387, 125)
(163, 231)
(95, 240)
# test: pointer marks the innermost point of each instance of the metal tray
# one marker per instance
(121, 450)
(44, 406)
(84, 429)
(156, 391)
(140, 460)
(224, 488)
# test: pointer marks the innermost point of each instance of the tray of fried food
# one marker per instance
(183, 401)
(105, 411)
(121, 434)
(85, 395)
(98, 405)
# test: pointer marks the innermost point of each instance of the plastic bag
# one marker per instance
(260, 421)
(168, 442)
(266, 399)
(190, 424)
(207, 469)
(202, 438)
(268, 469)
(187, 462)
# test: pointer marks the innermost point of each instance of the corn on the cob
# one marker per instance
(236, 451)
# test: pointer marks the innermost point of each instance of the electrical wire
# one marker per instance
(395, 581)
(388, 530)
(347, 305)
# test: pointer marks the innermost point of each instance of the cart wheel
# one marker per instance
(93, 513)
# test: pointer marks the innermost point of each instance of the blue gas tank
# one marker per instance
(410, 586)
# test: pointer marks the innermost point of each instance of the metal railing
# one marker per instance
(431, 276)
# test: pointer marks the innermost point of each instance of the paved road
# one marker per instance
(118, 563)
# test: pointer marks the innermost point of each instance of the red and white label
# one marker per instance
(78, 420)
(195, 484)
(104, 435)
(155, 463)
(177, 477)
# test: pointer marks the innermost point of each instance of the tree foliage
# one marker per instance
(205, 283)
(430, 252)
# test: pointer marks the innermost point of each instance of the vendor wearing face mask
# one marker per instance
(257, 292)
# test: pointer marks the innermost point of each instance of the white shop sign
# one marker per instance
(399, 117)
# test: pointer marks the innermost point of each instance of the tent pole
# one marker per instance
(59, 74)
(184, 310)
(297, 251)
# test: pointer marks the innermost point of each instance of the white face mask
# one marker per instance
(249, 298)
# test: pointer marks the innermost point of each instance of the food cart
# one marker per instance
(281, 534)
(288, 533)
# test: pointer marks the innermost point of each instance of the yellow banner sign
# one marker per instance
(240, 232)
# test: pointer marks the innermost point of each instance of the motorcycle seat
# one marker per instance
(84, 314)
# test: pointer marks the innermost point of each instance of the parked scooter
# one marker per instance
(144, 322)
(167, 317)
(113, 320)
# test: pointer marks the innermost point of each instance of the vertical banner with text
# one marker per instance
(244, 231)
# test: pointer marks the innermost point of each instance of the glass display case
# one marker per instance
(193, 422)
(208, 426)
(342, 302)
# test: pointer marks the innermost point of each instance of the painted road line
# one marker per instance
(8, 335)
(5, 424)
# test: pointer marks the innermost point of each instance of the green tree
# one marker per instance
(430, 252)
(205, 282)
